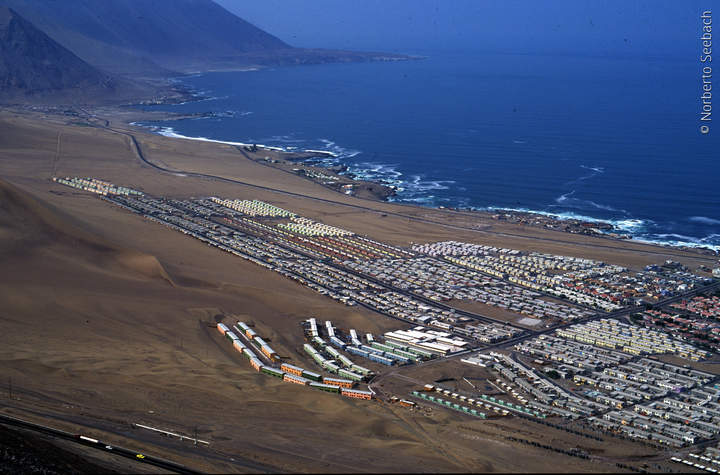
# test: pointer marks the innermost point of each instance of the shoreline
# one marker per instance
(574, 224)
(294, 162)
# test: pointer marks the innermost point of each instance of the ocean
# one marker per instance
(613, 139)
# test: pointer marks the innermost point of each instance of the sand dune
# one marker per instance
(28, 225)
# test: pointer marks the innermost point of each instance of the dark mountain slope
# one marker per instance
(150, 37)
(34, 67)
(32, 62)
(166, 32)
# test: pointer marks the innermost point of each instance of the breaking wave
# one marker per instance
(711, 241)
(704, 220)
(647, 231)
(568, 201)
(595, 171)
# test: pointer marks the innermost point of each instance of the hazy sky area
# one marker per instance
(648, 28)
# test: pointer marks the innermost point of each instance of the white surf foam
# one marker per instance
(170, 132)
(339, 151)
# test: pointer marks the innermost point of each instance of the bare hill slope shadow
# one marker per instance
(29, 226)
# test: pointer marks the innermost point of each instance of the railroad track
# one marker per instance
(96, 444)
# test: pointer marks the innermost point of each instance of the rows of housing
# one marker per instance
(409, 284)
(339, 353)
(583, 281)
(602, 372)
(264, 359)
(316, 255)
(695, 320)
(413, 285)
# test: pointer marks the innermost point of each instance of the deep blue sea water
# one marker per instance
(605, 138)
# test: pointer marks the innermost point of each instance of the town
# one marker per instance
(599, 348)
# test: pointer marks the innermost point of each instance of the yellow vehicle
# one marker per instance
(140, 456)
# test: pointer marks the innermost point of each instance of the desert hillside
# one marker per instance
(31, 61)
(154, 38)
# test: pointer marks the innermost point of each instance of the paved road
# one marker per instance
(475, 316)
(506, 344)
(141, 156)
(554, 298)
(630, 310)
(385, 285)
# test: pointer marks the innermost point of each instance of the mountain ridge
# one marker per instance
(32, 62)
(138, 45)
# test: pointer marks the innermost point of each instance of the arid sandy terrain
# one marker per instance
(107, 319)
